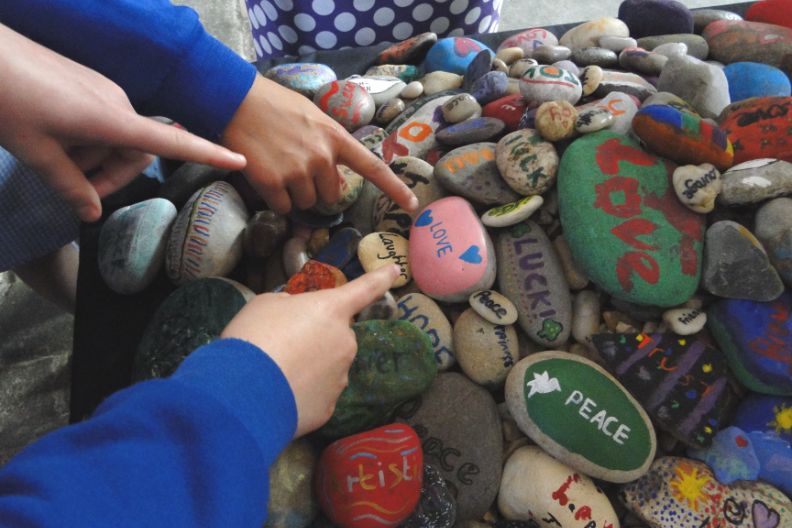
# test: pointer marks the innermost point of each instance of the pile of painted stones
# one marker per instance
(592, 327)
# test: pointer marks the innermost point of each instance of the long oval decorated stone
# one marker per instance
(577, 412)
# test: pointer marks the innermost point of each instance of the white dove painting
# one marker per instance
(542, 384)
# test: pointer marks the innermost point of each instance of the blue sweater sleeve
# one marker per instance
(192, 450)
(158, 53)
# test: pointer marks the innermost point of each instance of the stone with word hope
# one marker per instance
(756, 128)
(685, 321)
(765, 413)
(624, 224)
(291, 501)
(474, 130)
(731, 456)
(372, 479)
(410, 51)
(577, 412)
(555, 120)
(416, 136)
(351, 186)
(535, 486)
(494, 307)
(485, 351)
(305, 78)
(743, 41)
(512, 213)
(587, 34)
(382, 249)
(683, 383)
(527, 163)
(453, 54)
(437, 506)
(756, 181)
(548, 83)
(697, 186)
(347, 102)
(622, 106)
(315, 276)
(703, 85)
(424, 313)
(471, 172)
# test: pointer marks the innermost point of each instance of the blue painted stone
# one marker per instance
(476, 130)
(478, 67)
(492, 85)
(757, 340)
(354, 269)
(453, 54)
(655, 17)
(731, 456)
(775, 460)
(305, 78)
(754, 79)
(341, 248)
(768, 414)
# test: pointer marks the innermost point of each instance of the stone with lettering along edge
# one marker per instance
(682, 382)
(753, 79)
(485, 351)
(777, 12)
(624, 224)
(451, 253)
(530, 39)
(697, 186)
(754, 128)
(380, 249)
(739, 40)
(577, 412)
(526, 162)
(472, 172)
(305, 78)
(559, 493)
(548, 83)
(684, 493)
(655, 17)
(512, 213)
(423, 312)
(206, 238)
(372, 479)
(453, 54)
(762, 412)
(757, 340)
(347, 102)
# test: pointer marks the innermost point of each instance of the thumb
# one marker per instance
(356, 295)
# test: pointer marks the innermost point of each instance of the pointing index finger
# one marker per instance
(364, 290)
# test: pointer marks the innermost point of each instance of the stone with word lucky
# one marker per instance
(756, 181)
(697, 186)
(512, 213)
(371, 479)
(485, 351)
(527, 163)
(471, 172)
(774, 230)
(577, 412)
(346, 102)
(424, 313)
(291, 502)
(548, 83)
(623, 222)
(453, 54)
(494, 307)
(305, 78)
(437, 505)
(380, 249)
(759, 128)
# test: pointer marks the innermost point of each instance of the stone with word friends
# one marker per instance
(494, 307)
(683, 383)
(466, 447)
(595, 56)
(703, 17)
(291, 501)
(416, 136)
(132, 245)
(754, 79)
(623, 222)
(485, 351)
(559, 496)
(347, 102)
(739, 41)
(697, 186)
(774, 230)
(380, 249)
(757, 340)
(531, 276)
(625, 82)
(409, 51)
(305, 78)
(642, 61)
(471, 172)
(655, 17)
(451, 253)
(192, 316)
(474, 130)
(756, 181)
(765, 413)
(685, 321)
(395, 362)
(555, 120)
(529, 40)
(351, 185)
(453, 54)
(548, 83)
(423, 312)
(577, 412)
(759, 128)
(621, 105)
(206, 237)
(702, 85)
(736, 265)
(512, 213)
(437, 505)
(527, 163)
(341, 248)
(593, 120)
(460, 108)
(684, 493)
(588, 34)
(775, 460)
(731, 456)
(371, 479)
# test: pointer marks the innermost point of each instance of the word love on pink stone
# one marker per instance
(451, 254)
(371, 479)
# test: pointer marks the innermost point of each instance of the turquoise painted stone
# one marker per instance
(453, 54)
(623, 222)
(731, 456)
(577, 412)
(305, 78)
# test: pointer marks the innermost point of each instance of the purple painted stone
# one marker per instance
(655, 17)
(490, 86)
(474, 130)
(477, 68)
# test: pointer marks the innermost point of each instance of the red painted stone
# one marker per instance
(508, 109)
(759, 128)
(371, 479)
(771, 12)
(314, 276)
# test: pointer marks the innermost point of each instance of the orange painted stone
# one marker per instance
(315, 276)
(759, 128)
(371, 479)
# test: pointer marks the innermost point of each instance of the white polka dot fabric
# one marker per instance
(298, 27)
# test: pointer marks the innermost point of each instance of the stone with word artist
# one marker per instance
(535, 486)
(494, 307)
(753, 79)
(206, 238)
(697, 186)
(423, 312)
(531, 276)
(416, 136)
(759, 128)
(291, 501)
(471, 172)
(453, 54)
(527, 163)
(409, 51)
(587, 34)
(381, 89)
(315, 276)
(684, 493)
(623, 222)
(555, 120)
(756, 181)
(351, 184)
(731, 456)
(460, 108)
(765, 413)
(702, 85)
(683, 383)
(624, 82)
(757, 340)
(743, 41)
(512, 213)
(465, 446)
(593, 120)
(372, 479)
(548, 83)
(305, 78)
(655, 17)
(437, 505)
(530, 39)
(380, 249)
(474, 130)
(451, 254)
(485, 351)
(346, 102)
(577, 412)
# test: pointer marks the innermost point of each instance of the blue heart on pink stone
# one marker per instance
(471, 255)
(425, 219)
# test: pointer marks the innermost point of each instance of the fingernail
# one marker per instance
(88, 213)
(413, 205)
(238, 158)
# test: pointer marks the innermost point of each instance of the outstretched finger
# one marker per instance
(359, 293)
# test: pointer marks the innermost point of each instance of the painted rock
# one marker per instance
(187, 179)
(685, 321)
(621, 105)
(475, 130)
(767, 414)
(132, 244)
(512, 213)
(642, 61)
(478, 67)
(731, 456)
(341, 248)
(590, 78)
(265, 233)
(550, 54)
(373, 136)
(683, 138)
(380, 249)
(206, 238)
(530, 39)
(291, 501)
(437, 505)
(453, 54)
(548, 83)
(753, 79)
(684, 493)
(594, 56)
(756, 181)
(588, 34)
(560, 496)
(471, 172)
(555, 120)
(775, 460)
(755, 127)
(738, 41)
(593, 120)
(466, 447)
(409, 51)
(526, 162)
(192, 316)
(423, 312)
(771, 12)
(461, 107)
(315, 276)
(702, 85)
(491, 86)
(405, 72)
(371, 479)
(757, 340)
(381, 89)
(624, 82)
(774, 230)
(531, 276)
(577, 412)
(494, 307)
(611, 192)
(416, 136)
(703, 17)
(681, 382)
(440, 81)
(450, 251)
(351, 186)
(347, 102)
(485, 351)
(655, 17)
(696, 44)
(395, 362)
(736, 265)
(305, 78)
(697, 187)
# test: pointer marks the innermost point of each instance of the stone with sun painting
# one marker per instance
(759, 412)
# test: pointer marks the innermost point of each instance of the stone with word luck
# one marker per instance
(451, 254)
(774, 230)
(739, 41)
(439, 81)
(351, 185)
(494, 307)
(132, 245)
(347, 102)
(549, 54)
(341, 248)
(559, 496)
(531, 276)
(625, 82)
(765, 413)
(474, 130)
(683, 383)
(466, 447)
(703, 17)
(756, 181)
(642, 61)
(702, 85)
(621, 105)
(405, 72)
(577, 412)
(623, 222)
(206, 237)
(409, 51)
(453, 54)
(594, 56)
(527, 163)
(755, 128)
(265, 232)
(696, 44)
(380, 249)
(697, 186)
(754, 79)
(684, 493)
(437, 505)
(461, 107)
(305, 78)
(757, 340)
(775, 460)
(388, 111)
(371, 479)
(471, 172)
(491, 86)
(555, 120)
(655, 17)
(548, 83)
(485, 351)
(315, 276)
(530, 39)
(423, 312)
(588, 34)
(593, 120)
(416, 136)
(685, 321)
(512, 213)
(291, 502)
(731, 456)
